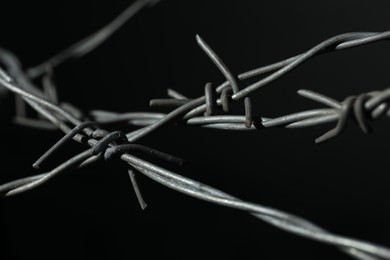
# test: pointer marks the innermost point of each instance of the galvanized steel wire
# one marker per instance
(210, 110)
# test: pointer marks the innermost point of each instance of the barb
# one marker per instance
(137, 191)
(174, 94)
(219, 63)
(209, 99)
(69, 136)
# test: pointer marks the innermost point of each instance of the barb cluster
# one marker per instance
(203, 111)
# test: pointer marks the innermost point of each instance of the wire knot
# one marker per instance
(116, 143)
(106, 139)
(352, 107)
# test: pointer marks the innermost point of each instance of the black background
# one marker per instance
(342, 185)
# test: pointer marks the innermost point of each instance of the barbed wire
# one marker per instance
(211, 110)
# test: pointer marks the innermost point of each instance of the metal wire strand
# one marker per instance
(332, 42)
(174, 94)
(342, 122)
(225, 96)
(92, 41)
(137, 190)
(102, 144)
(127, 156)
(229, 76)
(150, 118)
(48, 84)
(196, 106)
(208, 90)
(375, 103)
(327, 101)
(282, 67)
(340, 111)
(219, 63)
(34, 182)
(105, 117)
(38, 101)
(283, 220)
(248, 112)
(69, 136)
(120, 149)
(360, 112)
(168, 102)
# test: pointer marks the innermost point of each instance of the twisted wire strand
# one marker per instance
(92, 41)
(282, 67)
(366, 106)
(356, 248)
(373, 104)
(338, 42)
